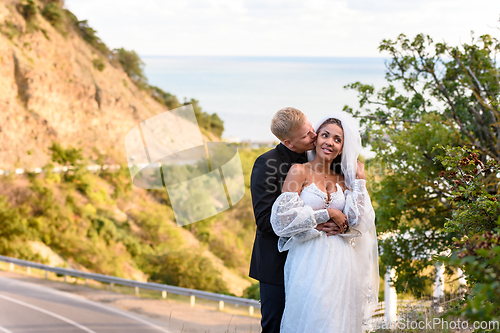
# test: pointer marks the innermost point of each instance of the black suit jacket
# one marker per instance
(268, 175)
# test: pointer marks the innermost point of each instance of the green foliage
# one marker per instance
(471, 183)
(216, 125)
(252, 291)
(69, 156)
(473, 187)
(479, 257)
(211, 123)
(28, 10)
(99, 64)
(90, 36)
(54, 13)
(188, 269)
(165, 98)
(120, 180)
(132, 65)
(436, 95)
(230, 234)
(74, 214)
(15, 230)
(10, 30)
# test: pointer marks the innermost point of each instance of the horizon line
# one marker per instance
(260, 56)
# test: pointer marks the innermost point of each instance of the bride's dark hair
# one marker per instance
(336, 163)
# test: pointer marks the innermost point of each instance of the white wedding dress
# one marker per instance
(323, 278)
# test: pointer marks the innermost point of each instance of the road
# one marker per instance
(26, 307)
(101, 310)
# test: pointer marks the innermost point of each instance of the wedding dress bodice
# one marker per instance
(294, 217)
(317, 199)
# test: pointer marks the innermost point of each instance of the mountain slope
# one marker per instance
(51, 89)
(56, 86)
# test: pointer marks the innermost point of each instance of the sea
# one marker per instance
(245, 92)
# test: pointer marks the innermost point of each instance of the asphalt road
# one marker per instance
(26, 307)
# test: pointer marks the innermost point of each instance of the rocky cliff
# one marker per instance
(52, 90)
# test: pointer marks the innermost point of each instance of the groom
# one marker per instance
(296, 135)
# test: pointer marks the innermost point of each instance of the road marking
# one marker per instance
(84, 300)
(4, 330)
(52, 314)
(126, 314)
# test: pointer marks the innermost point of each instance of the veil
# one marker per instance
(366, 247)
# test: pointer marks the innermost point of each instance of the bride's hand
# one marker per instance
(338, 218)
(330, 228)
(360, 172)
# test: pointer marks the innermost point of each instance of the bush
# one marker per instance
(99, 64)
(472, 182)
(132, 65)
(89, 35)
(188, 269)
(69, 156)
(479, 258)
(211, 123)
(252, 291)
(28, 10)
(165, 98)
(55, 15)
(14, 230)
(216, 125)
(10, 30)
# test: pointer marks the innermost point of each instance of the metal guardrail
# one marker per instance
(251, 303)
(59, 169)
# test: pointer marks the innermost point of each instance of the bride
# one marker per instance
(331, 281)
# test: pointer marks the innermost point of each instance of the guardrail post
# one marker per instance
(438, 291)
(461, 278)
(390, 296)
(28, 270)
(250, 310)
(112, 281)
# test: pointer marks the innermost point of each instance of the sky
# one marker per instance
(327, 28)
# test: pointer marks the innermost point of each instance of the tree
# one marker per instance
(216, 125)
(476, 218)
(68, 157)
(90, 36)
(437, 94)
(165, 98)
(133, 66)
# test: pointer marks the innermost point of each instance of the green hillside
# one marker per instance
(69, 100)
(100, 222)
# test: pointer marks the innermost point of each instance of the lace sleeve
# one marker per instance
(294, 221)
(354, 206)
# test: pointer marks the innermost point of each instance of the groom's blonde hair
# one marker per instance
(285, 121)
